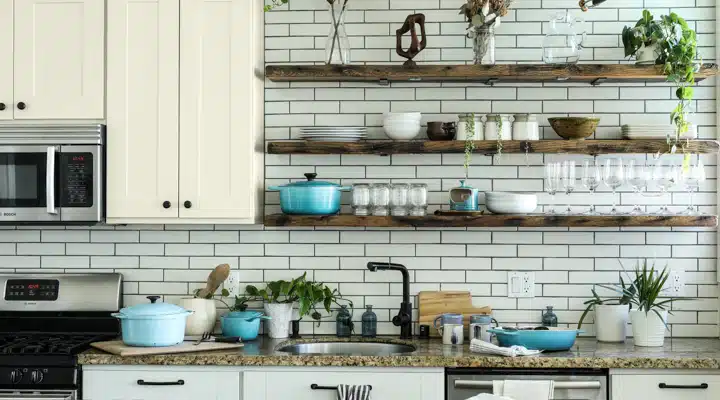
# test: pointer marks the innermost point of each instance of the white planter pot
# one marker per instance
(647, 55)
(202, 319)
(611, 322)
(279, 324)
(648, 329)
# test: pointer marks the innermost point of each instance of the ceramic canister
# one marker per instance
(525, 127)
(464, 198)
(493, 128)
(463, 129)
(479, 326)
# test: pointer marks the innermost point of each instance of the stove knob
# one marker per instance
(16, 376)
(36, 376)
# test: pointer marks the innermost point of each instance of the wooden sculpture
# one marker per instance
(415, 46)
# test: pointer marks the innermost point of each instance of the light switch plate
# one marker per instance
(521, 284)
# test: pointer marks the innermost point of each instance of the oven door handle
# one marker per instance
(459, 384)
(50, 182)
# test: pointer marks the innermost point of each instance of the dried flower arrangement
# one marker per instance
(483, 16)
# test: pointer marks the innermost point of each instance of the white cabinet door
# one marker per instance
(221, 107)
(6, 60)
(387, 383)
(142, 120)
(161, 383)
(677, 386)
(59, 59)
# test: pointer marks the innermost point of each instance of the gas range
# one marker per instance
(45, 321)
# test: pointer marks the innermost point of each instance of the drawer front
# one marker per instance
(162, 383)
(675, 387)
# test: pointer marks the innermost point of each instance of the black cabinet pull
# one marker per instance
(2, 106)
(700, 386)
(21, 105)
(187, 204)
(315, 386)
(166, 204)
(179, 382)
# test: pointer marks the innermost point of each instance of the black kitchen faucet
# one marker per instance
(404, 317)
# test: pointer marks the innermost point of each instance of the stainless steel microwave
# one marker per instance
(52, 174)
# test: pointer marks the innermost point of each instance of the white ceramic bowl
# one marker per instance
(510, 203)
(404, 116)
(402, 130)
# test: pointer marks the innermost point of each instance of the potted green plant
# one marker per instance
(642, 40)
(611, 314)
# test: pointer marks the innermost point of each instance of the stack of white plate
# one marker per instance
(333, 133)
(510, 203)
(648, 131)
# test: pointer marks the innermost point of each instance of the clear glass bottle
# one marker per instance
(337, 46)
(549, 318)
(343, 323)
(418, 199)
(361, 199)
(399, 199)
(380, 198)
(369, 323)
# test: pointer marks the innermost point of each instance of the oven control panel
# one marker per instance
(32, 289)
(77, 174)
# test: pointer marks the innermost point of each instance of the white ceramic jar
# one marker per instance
(493, 130)
(525, 127)
(202, 319)
(462, 129)
(611, 322)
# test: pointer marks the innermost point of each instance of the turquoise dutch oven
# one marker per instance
(242, 324)
(553, 339)
(310, 197)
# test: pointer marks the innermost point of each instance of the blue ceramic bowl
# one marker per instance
(551, 340)
(242, 324)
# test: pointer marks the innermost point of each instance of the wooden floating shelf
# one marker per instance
(491, 220)
(594, 74)
(384, 147)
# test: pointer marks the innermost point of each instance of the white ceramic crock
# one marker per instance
(525, 127)
(492, 128)
(647, 55)
(648, 329)
(611, 322)
(279, 324)
(203, 318)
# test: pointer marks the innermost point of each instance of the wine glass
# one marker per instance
(691, 177)
(568, 180)
(613, 177)
(638, 176)
(665, 176)
(552, 175)
(591, 180)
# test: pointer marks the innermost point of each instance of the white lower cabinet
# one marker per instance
(665, 385)
(160, 383)
(387, 383)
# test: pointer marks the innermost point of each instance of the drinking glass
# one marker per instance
(568, 180)
(638, 176)
(361, 198)
(418, 199)
(552, 183)
(613, 177)
(691, 177)
(665, 175)
(591, 180)
(399, 199)
(380, 198)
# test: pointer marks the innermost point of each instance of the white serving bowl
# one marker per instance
(402, 130)
(510, 203)
(404, 116)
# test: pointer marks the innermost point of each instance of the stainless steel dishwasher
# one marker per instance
(570, 384)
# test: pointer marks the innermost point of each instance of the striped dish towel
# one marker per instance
(353, 392)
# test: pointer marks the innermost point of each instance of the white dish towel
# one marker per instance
(485, 396)
(353, 392)
(480, 346)
(524, 390)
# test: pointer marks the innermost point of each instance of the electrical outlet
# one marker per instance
(675, 285)
(521, 284)
(232, 283)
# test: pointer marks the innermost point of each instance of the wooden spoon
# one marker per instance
(215, 279)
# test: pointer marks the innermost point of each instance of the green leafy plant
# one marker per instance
(275, 3)
(596, 300)
(469, 143)
(498, 119)
(240, 303)
(646, 32)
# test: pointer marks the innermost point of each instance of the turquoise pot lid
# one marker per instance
(311, 182)
(152, 309)
(244, 314)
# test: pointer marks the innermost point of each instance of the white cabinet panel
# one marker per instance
(633, 387)
(143, 73)
(6, 61)
(220, 108)
(58, 59)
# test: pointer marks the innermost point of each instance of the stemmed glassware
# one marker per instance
(552, 183)
(638, 176)
(591, 180)
(568, 180)
(665, 176)
(691, 177)
(613, 177)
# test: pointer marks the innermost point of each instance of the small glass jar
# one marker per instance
(343, 323)
(418, 198)
(549, 318)
(380, 198)
(399, 199)
(361, 199)
(369, 323)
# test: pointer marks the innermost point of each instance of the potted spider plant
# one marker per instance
(611, 314)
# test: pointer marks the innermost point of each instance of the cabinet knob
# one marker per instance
(2, 107)
(21, 105)
(187, 204)
(166, 204)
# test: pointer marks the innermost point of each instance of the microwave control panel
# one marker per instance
(77, 174)
(32, 289)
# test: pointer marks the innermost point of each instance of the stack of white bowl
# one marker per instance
(510, 203)
(402, 126)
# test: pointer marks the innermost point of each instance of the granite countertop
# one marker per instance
(587, 353)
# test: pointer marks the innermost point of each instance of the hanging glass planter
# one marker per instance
(337, 46)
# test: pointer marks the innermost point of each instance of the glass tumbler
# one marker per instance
(418, 199)
(361, 199)
(380, 198)
(399, 199)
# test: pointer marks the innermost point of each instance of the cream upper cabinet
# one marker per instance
(6, 61)
(58, 56)
(142, 121)
(220, 108)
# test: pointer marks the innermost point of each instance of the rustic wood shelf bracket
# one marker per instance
(384, 82)
(492, 81)
(598, 81)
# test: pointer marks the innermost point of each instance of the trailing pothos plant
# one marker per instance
(469, 143)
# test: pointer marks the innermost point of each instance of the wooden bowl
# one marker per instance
(574, 127)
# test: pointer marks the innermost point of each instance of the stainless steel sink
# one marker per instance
(348, 348)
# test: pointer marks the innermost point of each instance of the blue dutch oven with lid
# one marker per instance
(310, 197)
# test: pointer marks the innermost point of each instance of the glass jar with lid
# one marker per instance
(361, 199)
(380, 199)
(399, 199)
(418, 199)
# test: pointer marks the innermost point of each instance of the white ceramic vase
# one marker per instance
(279, 324)
(648, 329)
(611, 322)
(202, 319)
(493, 128)
(647, 55)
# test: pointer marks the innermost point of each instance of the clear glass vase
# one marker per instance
(483, 45)
(337, 46)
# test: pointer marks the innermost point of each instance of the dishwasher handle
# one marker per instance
(460, 384)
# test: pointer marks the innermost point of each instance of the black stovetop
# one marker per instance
(47, 344)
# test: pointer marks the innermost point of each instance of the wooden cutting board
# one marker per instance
(117, 347)
(432, 304)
